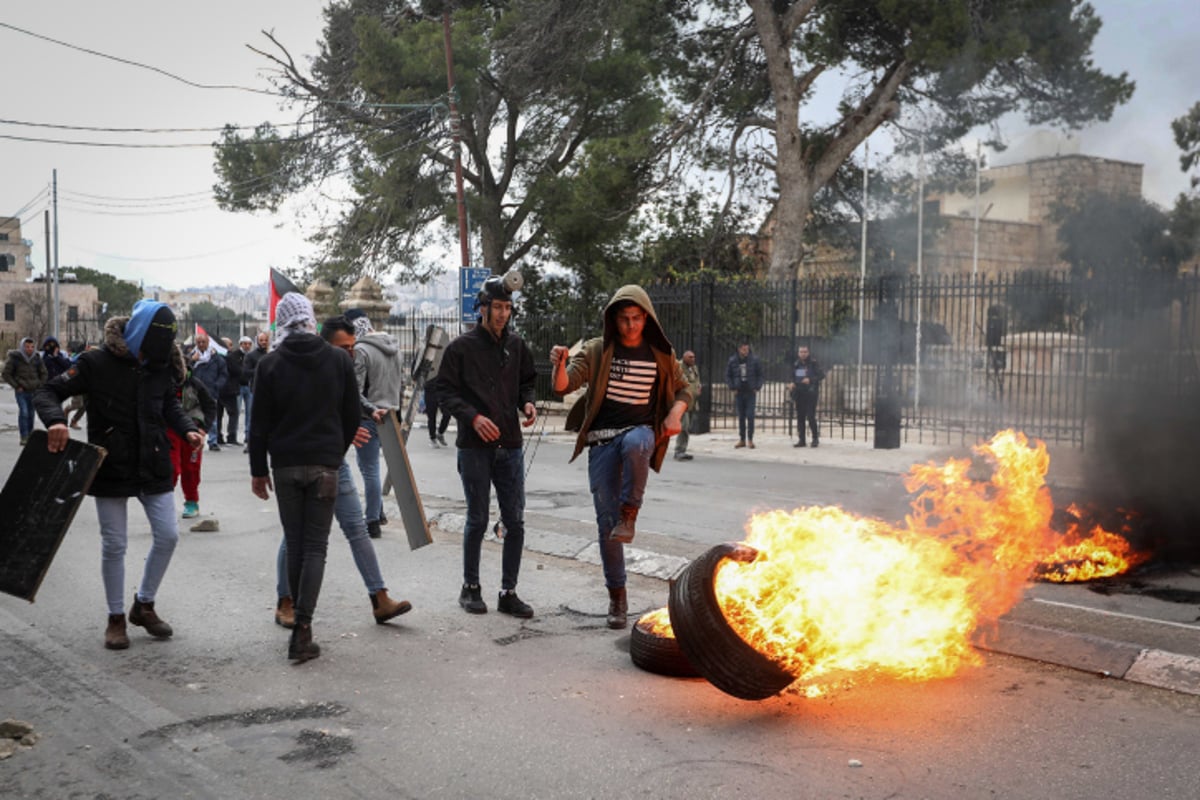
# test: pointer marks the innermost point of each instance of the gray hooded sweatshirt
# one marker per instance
(379, 369)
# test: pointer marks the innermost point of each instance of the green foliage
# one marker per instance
(559, 105)
(1187, 137)
(119, 295)
(1111, 236)
(205, 311)
(1039, 300)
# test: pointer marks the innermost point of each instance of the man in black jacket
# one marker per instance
(132, 401)
(806, 389)
(262, 342)
(227, 403)
(306, 412)
(486, 378)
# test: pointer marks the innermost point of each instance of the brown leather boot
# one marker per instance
(142, 615)
(285, 613)
(115, 637)
(623, 531)
(385, 608)
(301, 647)
(618, 609)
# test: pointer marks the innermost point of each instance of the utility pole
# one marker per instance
(49, 289)
(54, 305)
(456, 133)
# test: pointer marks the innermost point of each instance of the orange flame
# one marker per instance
(657, 622)
(834, 592)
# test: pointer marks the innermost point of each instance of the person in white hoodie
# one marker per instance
(380, 373)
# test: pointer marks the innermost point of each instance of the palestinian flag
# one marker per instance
(213, 343)
(278, 285)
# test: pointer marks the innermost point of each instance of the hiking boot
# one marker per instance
(509, 603)
(741, 443)
(115, 637)
(385, 608)
(142, 615)
(190, 509)
(301, 647)
(373, 530)
(285, 613)
(471, 599)
(750, 445)
(623, 531)
(618, 609)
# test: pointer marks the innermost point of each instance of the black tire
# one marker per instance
(706, 639)
(658, 654)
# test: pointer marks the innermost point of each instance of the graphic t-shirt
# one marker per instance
(629, 396)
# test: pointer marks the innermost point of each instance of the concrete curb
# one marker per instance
(1096, 655)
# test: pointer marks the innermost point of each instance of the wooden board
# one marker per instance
(412, 512)
(37, 504)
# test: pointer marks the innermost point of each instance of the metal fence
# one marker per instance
(957, 358)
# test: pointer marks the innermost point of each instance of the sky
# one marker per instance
(147, 214)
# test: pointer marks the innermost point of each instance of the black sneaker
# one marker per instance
(471, 599)
(816, 443)
(214, 447)
(442, 440)
(800, 444)
(382, 518)
(373, 530)
(509, 603)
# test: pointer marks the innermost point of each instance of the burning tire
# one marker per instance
(706, 639)
(653, 647)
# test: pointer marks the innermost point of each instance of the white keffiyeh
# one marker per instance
(293, 313)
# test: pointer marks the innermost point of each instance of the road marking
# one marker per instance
(1184, 625)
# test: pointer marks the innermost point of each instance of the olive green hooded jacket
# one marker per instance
(591, 366)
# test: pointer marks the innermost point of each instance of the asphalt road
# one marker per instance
(447, 705)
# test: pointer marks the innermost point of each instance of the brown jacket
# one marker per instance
(592, 363)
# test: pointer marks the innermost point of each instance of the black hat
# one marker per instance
(159, 338)
(493, 289)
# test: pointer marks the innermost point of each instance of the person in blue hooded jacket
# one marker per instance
(131, 403)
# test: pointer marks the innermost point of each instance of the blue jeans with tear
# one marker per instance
(617, 473)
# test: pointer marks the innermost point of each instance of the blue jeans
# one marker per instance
(480, 469)
(114, 518)
(245, 394)
(368, 465)
(305, 496)
(617, 473)
(25, 413)
(744, 403)
(212, 429)
(348, 512)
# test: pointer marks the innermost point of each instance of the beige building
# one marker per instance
(1016, 209)
(25, 303)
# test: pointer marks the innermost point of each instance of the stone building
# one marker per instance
(25, 302)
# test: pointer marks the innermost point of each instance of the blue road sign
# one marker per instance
(470, 283)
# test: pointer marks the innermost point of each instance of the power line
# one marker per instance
(198, 85)
(98, 129)
(138, 64)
